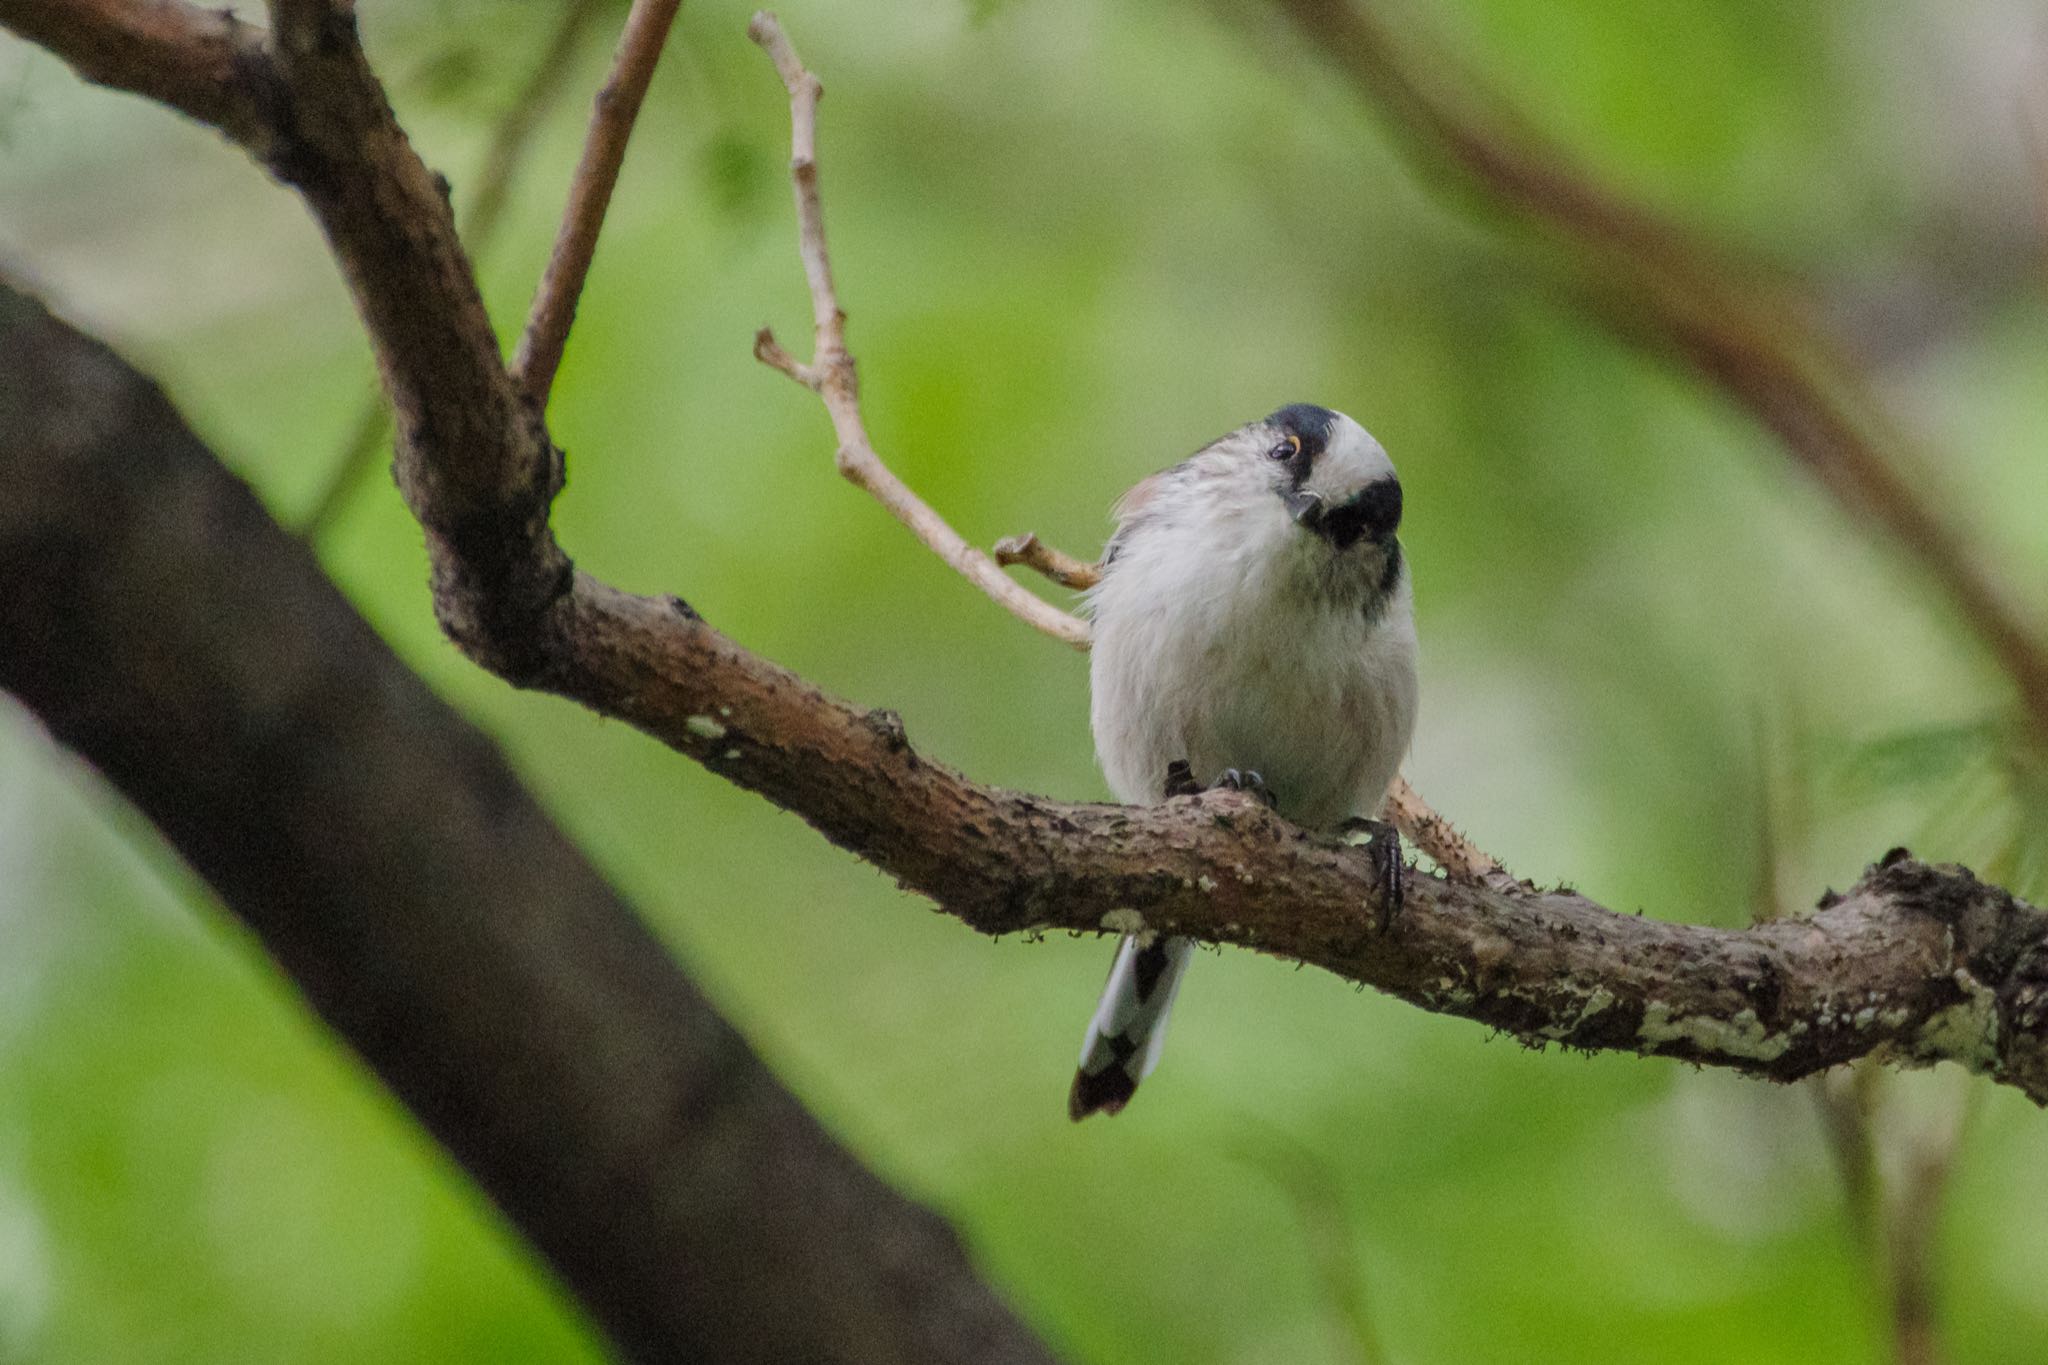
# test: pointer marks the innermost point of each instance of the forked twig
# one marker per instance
(590, 194)
(830, 374)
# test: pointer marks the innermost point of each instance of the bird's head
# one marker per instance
(1332, 477)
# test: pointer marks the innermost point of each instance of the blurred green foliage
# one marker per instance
(1076, 241)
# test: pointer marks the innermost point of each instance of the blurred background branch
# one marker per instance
(1657, 282)
(1894, 1160)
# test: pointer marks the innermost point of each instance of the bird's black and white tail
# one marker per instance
(1129, 1027)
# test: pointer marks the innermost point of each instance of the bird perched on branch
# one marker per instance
(1254, 628)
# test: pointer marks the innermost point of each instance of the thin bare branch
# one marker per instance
(1033, 553)
(1654, 280)
(830, 372)
(590, 195)
(1447, 846)
(510, 140)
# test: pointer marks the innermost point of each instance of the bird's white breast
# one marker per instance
(1227, 636)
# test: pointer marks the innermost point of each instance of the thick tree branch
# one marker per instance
(1654, 279)
(1918, 963)
(510, 139)
(483, 500)
(163, 627)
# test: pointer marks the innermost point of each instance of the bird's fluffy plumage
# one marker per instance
(1254, 613)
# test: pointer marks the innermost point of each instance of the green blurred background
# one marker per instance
(1078, 240)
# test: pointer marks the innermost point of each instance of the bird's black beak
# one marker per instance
(1306, 508)
(1373, 513)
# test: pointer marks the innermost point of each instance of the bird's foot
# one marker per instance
(1248, 782)
(1180, 781)
(1383, 844)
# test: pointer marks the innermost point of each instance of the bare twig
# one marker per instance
(590, 194)
(1844, 1099)
(1446, 845)
(510, 140)
(1892, 1236)
(1896, 1228)
(1763, 354)
(1033, 553)
(830, 372)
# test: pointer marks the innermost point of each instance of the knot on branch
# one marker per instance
(1999, 965)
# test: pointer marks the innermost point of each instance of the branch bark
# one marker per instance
(167, 630)
(204, 63)
(510, 139)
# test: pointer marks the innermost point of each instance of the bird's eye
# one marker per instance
(1286, 450)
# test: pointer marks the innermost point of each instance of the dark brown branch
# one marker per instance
(483, 499)
(202, 62)
(163, 627)
(1655, 281)
(590, 195)
(1918, 963)
(510, 139)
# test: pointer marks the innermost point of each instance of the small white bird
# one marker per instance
(1254, 627)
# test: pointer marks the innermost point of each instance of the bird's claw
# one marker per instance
(1248, 782)
(1180, 781)
(1383, 846)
